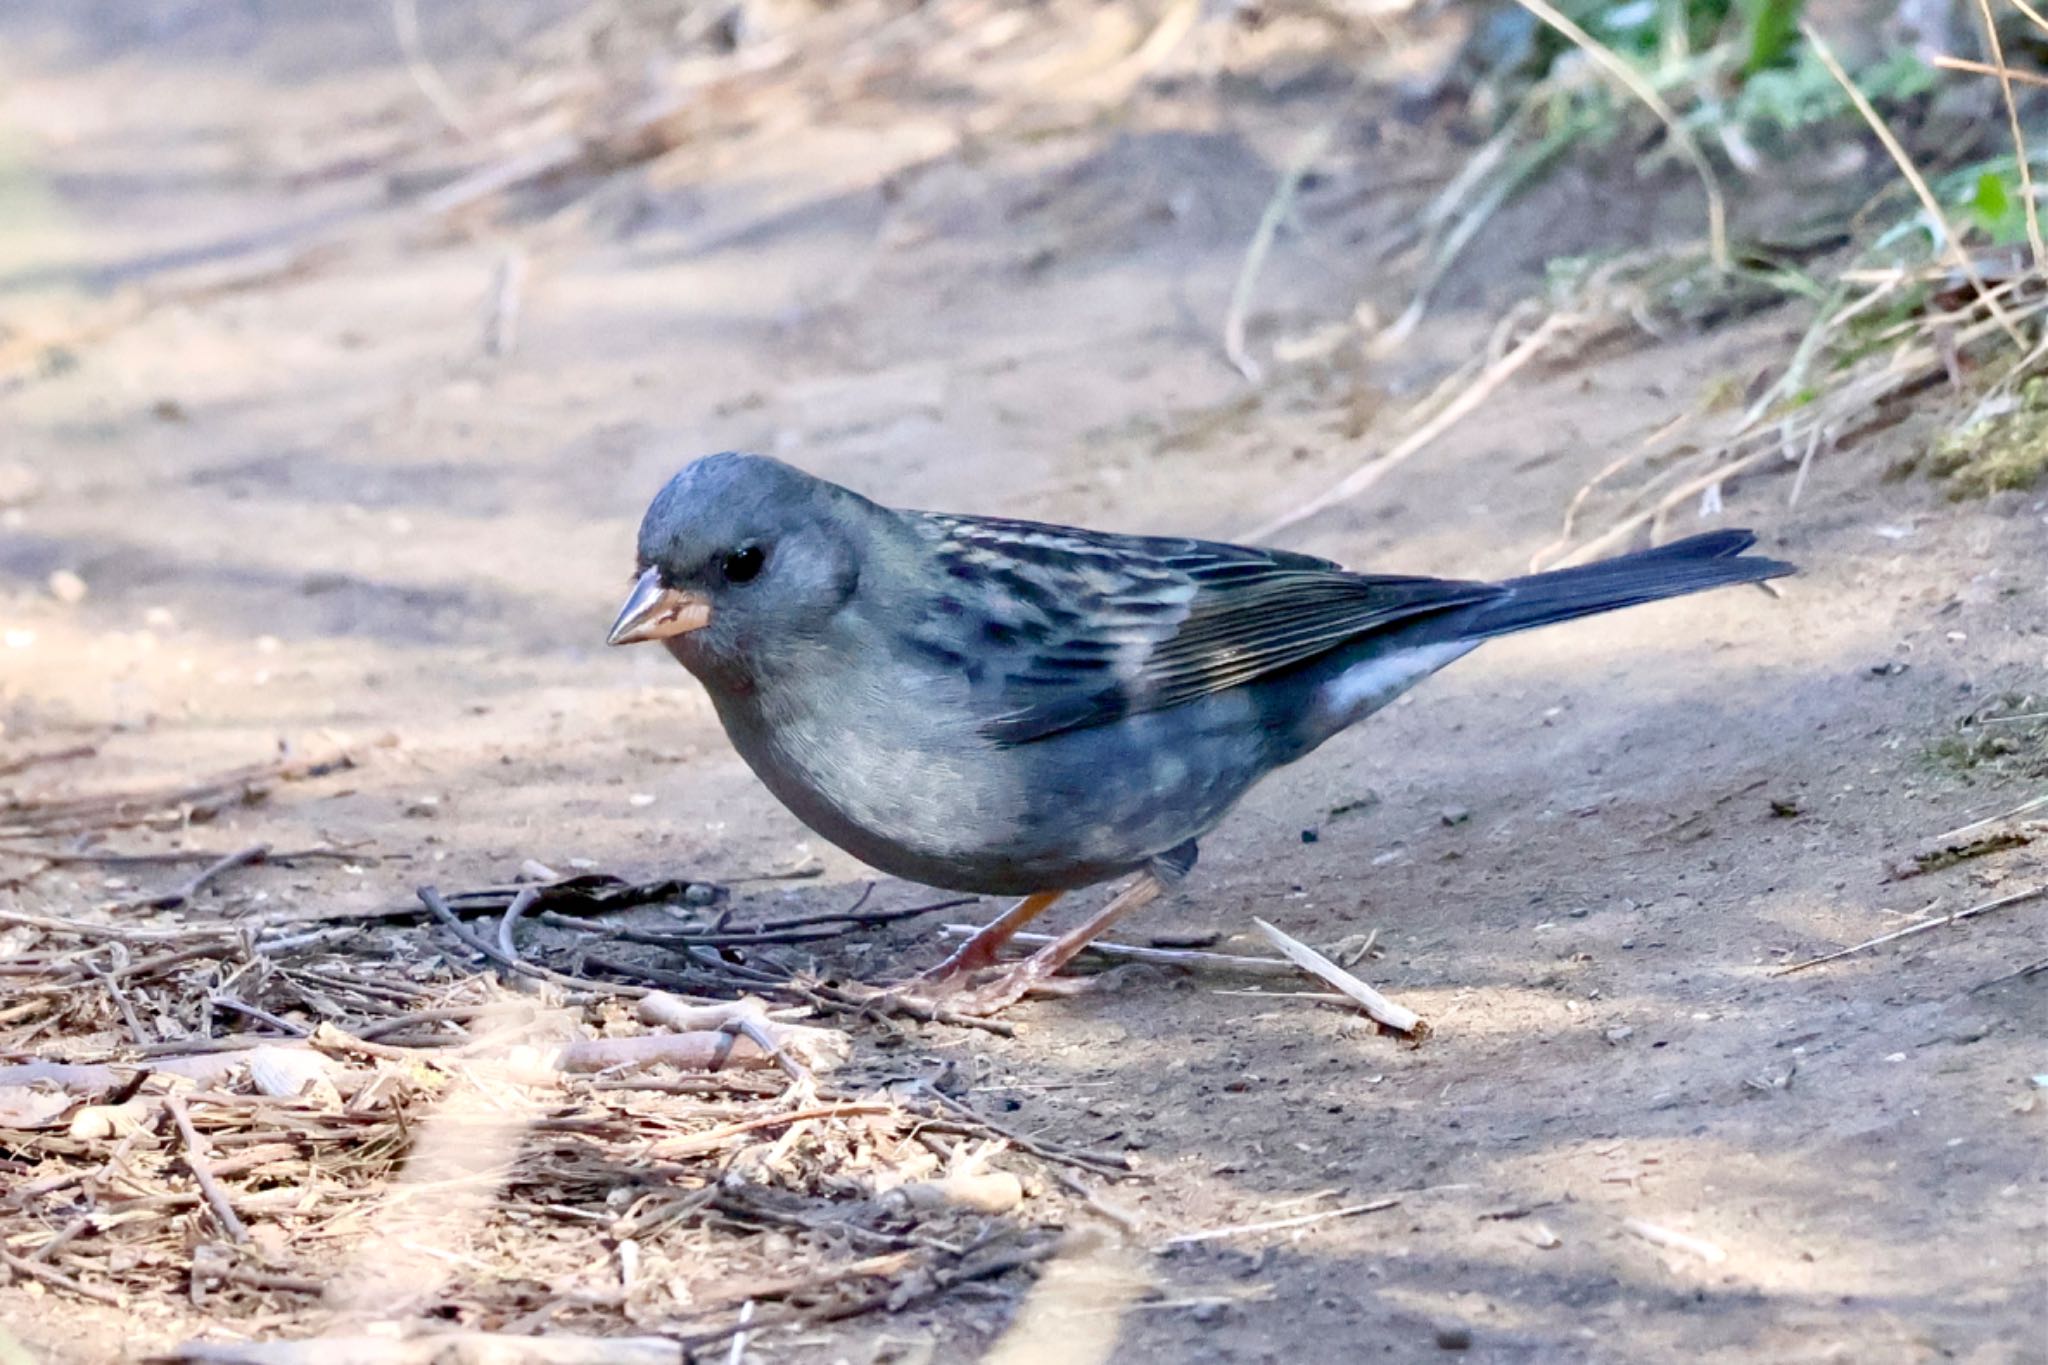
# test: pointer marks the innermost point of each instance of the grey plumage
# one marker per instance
(1008, 707)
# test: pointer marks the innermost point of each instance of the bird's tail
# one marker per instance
(1694, 564)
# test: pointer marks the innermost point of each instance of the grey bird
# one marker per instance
(1007, 707)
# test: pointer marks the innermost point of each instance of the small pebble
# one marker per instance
(1454, 815)
(1456, 1338)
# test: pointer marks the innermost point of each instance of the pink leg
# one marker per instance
(981, 950)
(1022, 978)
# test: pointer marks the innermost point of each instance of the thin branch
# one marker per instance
(1277, 208)
(2019, 139)
(1947, 63)
(202, 1170)
(431, 898)
(1277, 1224)
(1628, 76)
(1899, 156)
(183, 893)
(1957, 918)
(1383, 1011)
(1453, 412)
(405, 25)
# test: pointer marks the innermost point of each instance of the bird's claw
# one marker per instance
(984, 993)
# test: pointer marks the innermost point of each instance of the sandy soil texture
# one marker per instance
(309, 498)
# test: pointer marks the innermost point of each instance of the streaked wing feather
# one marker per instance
(1075, 628)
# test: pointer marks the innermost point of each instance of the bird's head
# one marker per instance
(743, 560)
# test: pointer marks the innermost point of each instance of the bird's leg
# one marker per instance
(1020, 979)
(981, 950)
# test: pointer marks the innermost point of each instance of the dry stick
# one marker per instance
(2022, 808)
(1277, 208)
(508, 289)
(405, 24)
(1381, 1010)
(508, 927)
(1957, 918)
(192, 886)
(112, 981)
(1677, 1241)
(1072, 1156)
(1276, 1224)
(2019, 140)
(2024, 8)
(11, 766)
(433, 1348)
(22, 1265)
(202, 1170)
(1949, 240)
(1717, 209)
(176, 855)
(1985, 69)
(1162, 957)
(1372, 471)
(913, 1290)
(1095, 1202)
(437, 907)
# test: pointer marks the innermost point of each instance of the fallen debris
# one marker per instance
(1384, 1012)
(1985, 908)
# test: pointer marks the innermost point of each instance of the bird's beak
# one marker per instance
(653, 612)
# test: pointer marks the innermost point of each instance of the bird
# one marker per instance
(1016, 708)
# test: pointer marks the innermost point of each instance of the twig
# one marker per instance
(437, 907)
(2031, 969)
(795, 929)
(508, 290)
(1957, 918)
(2019, 139)
(1381, 1010)
(1949, 837)
(2033, 14)
(1948, 63)
(112, 981)
(1276, 1224)
(1717, 209)
(434, 1348)
(50, 1275)
(1951, 243)
(9, 767)
(1277, 208)
(1453, 412)
(184, 892)
(1072, 1156)
(912, 1290)
(243, 1007)
(1190, 958)
(1074, 1184)
(202, 1170)
(67, 815)
(508, 927)
(98, 858)
(1677, 1241)
(405, 25)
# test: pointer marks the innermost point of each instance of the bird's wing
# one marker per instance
(1058, 629)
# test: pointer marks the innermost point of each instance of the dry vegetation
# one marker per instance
(579, 1116)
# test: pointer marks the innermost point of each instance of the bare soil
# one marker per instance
(316, 507)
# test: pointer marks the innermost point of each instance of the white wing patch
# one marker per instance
(1364, 688)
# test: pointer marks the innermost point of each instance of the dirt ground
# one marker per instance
(318, 508)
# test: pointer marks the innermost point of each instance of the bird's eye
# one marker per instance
(743, 564)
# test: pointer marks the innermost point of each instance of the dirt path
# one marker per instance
(318, 506)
